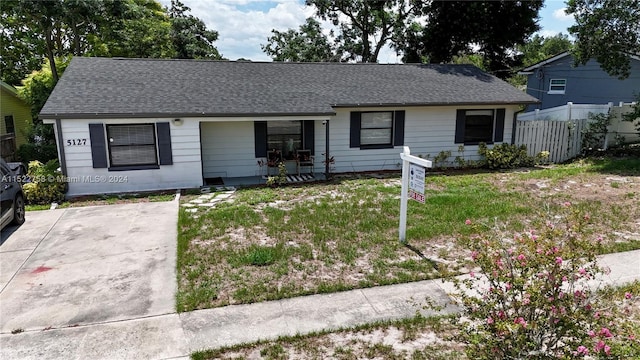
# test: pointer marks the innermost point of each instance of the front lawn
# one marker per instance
(434, 338)
(265, 244)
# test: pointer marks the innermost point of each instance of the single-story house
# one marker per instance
(15, 122)
(556, 81)
(150, 124)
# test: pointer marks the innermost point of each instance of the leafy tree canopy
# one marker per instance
(607, 31)
(364, 27)
(539, 48)
(308, 44)
(189, 35)
(34, 30)
(491, 28)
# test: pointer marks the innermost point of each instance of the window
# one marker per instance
(478, 126)
(8, 124)
(557, 86)
(132, 145)
(376, 128)
(475, 126)
(285, 137)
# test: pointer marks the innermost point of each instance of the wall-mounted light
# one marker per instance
(177, 122)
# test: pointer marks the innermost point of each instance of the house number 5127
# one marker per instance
(76, 142)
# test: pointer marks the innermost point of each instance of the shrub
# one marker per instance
(533, 299)
(37, 152)
(281, 178)
(505, 156)
(595, 134)
(47, 184)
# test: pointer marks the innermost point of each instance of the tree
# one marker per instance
(539, 48)
(491, 28)
(307, 44)
(608, 31)
(133, 28)
(367, 25)
(189, 35)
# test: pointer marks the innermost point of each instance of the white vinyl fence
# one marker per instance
(562, 139)
(559, 130)
(570, 111)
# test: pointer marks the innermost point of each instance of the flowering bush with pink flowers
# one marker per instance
(531, 296)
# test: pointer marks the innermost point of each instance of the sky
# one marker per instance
(243, 25)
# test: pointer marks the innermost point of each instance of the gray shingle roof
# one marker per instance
(105, 87)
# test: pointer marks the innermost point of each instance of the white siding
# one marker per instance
(186, 171)
(428, 131)
(228, 149)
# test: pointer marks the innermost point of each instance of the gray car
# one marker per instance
(12, 197)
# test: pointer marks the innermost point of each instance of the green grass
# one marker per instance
(290, 241)
(327, 343)
(318, 345)
(106, 199)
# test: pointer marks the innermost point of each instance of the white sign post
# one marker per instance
(413, 172)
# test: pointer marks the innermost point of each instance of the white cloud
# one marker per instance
(559, 14)
(243, 25)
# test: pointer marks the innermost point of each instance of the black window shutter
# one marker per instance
(164, 143)
(307, 131)
(354, 141)
(460, 117)
(260, 133)
(499, 133)
(98, 146)
(398, 128)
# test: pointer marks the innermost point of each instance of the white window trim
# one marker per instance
(557, 92)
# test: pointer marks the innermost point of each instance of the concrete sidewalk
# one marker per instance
(175, 336)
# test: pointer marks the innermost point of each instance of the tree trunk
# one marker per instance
(52, 60)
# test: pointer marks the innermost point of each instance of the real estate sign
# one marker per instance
(416, 182)
(413, 171)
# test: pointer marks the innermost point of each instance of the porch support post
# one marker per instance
(326, 150)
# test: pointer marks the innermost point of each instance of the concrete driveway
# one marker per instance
(90, 265)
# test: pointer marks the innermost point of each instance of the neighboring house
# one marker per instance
(556, 81)
(145, 124)
(15, 121)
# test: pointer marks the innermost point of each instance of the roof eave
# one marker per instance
(546, 61)
(519, 102)
(171, 115)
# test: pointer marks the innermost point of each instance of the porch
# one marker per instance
(261, 180)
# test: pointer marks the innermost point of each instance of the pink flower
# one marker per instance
(591, 333)
(566, 203)
(627, 295)
(582, 350)
(468, 222)
(578, 294)
(508, 286)
(599, 346)
(607, 349)
(582, 271)
(559, 260)
(521, 321)
(472, 274)
(501, 314)
(521, 257)
(605, 332)
(489, 320)
(474, 255)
